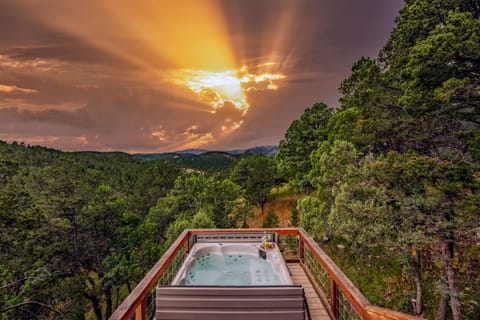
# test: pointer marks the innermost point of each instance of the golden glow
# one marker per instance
(9, 89)
(183, 42)
(227, 128)
(82, 139)
(160, 135)
(217, 88)
(152, 34)
(194, 139)
(37, 64)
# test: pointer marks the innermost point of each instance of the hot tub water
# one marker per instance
(231, 270)
(232, 264)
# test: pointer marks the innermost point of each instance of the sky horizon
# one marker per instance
(160, 76)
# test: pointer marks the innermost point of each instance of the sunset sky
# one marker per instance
(164, 75)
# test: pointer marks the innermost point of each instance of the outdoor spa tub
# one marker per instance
(233, 264)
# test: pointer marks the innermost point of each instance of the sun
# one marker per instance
(215, 88)
(219, 87)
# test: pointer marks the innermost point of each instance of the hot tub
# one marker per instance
(233, 264)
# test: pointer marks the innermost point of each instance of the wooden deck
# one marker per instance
(136, 302)
(315, 305)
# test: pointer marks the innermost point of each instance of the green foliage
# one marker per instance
(302, 137)
(423, 92)
(400, 203)
(398, 171)
(222, 197)
(295, 219)
(369, 117)
(69, 241)
(153, 184)
(78, 230)
(441, 86)
(256, 174)
(271, 220)
(198, 201)
(209, 162)
(202, 219)
(313, 215)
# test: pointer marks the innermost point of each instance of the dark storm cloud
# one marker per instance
(67, 50)
(67, 90)
(324, 39)
(324, 33)
(78, 118)
(18, 28)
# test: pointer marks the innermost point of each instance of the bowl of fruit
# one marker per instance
(267, 245)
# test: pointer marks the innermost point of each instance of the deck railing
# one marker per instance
(341, 298)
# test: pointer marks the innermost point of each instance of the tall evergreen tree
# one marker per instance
(256, 174)
(302, 137)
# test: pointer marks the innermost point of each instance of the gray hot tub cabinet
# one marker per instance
(232, 303)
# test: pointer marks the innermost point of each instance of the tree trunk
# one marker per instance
(118, 296)
(442, 304)
(245, 224)
(129, 287)
(447, 251)
(97, 309)
(108, 299)
(417, 266)
(74, 236)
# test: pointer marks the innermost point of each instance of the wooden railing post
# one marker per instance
(334, 298)
(140, 311)
(186, 246)
(301, 252)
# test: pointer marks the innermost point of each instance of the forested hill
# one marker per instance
(265, 150)
(79, 230)
(389, 181)
(209, 161)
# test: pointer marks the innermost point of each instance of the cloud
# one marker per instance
(8, 89)
(91, 76)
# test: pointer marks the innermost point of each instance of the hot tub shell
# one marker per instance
(273, 257)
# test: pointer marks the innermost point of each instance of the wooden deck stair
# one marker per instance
(315, 305)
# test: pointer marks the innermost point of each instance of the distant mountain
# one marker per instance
(211, 161)
(192, 151)
(265, 150)
(204, 160)
(154, 156)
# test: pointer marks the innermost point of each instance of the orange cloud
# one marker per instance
(160, 135)
(8, 89)
(218, 88)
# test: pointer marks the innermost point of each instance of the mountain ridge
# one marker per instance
(265, 150)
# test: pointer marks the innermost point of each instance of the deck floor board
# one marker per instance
(316, 307)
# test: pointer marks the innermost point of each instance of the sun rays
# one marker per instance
(182, 48)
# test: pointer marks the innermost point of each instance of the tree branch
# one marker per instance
(18, 305)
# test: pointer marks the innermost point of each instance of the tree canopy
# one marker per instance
(398, 170)
(302, 137)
